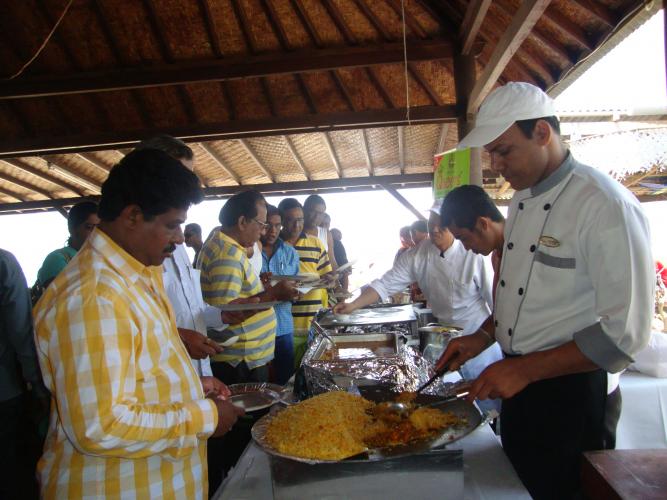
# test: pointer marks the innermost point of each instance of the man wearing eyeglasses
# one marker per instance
(226, 274)
(456, 282)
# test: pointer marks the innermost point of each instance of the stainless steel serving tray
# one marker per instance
(460, 408)
(370, 316)
(390, 341)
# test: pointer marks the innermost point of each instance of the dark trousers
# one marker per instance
(611, 416)
(240, 373)
(546, 427)
(283, 362)
(19, 450)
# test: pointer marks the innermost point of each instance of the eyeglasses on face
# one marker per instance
(277, 226)
(262, 225)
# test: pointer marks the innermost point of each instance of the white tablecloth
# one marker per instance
(643, 422)
(488, 474)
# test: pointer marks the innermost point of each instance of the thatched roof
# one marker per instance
(291, 95)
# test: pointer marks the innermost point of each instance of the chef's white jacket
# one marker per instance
(458, 286)
(577, 265)
(181, 282)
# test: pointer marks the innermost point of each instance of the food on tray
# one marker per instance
(337, 425)
(331, 426)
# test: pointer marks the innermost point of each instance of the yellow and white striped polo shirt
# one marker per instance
(313, 259)
(226, 274)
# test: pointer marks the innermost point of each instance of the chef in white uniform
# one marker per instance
(456, 282)
(574, 296)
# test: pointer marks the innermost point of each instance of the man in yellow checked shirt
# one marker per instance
(129, 418)
(313, 259)
(226, 274)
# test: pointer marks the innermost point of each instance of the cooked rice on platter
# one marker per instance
(337, 425)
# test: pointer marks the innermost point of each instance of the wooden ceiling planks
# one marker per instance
(222, 70)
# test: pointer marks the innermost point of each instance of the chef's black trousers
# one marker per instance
(546, 427)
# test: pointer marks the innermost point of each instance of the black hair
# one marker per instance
(194, 227)
(419, 225)
(271, 210)
(527, 126)
(288, 204)
(312, 200)
(464, 204)
(79, 214)
(405, 230)
(175, 148)
(151, 179)
(243, 204)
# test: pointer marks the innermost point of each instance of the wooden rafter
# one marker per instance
(332, 153)
(89, 158)
(69, 53)
(78, 178)
(349, 37)
(537, 70)
(367, 153)
(216, 47)
(637, 178)
(400, 131)
(255, 157)
(296, 157)
(539, 35)
(231, 130)
(25, 185)
(472, 22)
(101, 16)
(562, 23)
(410, 21)
(281, 35)
(223, 69)
(158, 30)
(42, 175)
(380, 27)
(599, 11)
(220, 162)
(522, 22)
(11, 194)
(310, 186)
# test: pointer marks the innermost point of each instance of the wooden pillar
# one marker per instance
(464, 80)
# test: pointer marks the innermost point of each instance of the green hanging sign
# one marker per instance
(450, 170)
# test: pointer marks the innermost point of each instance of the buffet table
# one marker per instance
(486, 470)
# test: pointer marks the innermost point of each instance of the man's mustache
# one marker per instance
(170, 248)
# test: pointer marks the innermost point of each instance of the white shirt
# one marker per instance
(256, 259)
(458, 287)
(577, 265)
(181, 282)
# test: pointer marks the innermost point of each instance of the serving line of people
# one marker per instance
(118, 335)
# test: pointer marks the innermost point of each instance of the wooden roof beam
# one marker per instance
(219, 161)
(90, 159)
(472, 22)
(403, 201)
(367, 153)
(11, 194)
(198, 132)
(332, 153)
(523, 21)
(251, 152)
(25, 185)
(181, 73)
(599, 11)
(296, 157)
(41, 175)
